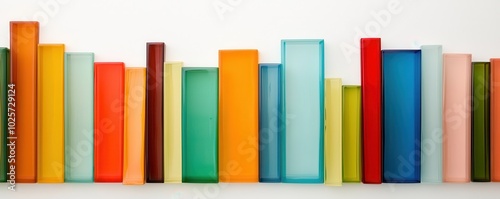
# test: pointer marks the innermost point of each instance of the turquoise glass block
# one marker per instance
(200, 159)
(432, 114)
(401, 102)
(270, 122)
(302, 145)
(79, 117)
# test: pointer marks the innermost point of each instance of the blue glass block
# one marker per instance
(401, 96)
(302, 142)
(432, 114)
(79, 117)
(270, 122)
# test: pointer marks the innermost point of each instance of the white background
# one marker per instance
(194, 30)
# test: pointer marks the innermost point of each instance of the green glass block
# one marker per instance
(199, 125)
(79, 117)
(4, 67)
(480, 122)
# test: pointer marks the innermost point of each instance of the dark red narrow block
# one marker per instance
(154, 112)
(109, 80)
(371, 88)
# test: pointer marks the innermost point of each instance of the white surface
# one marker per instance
(193, 30)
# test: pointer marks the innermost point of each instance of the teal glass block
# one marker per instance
(79, 117)
(432, 114)
(200, 125)
(270, 122)
(302, 141)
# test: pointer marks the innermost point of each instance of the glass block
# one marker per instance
(108, 121)
(432, 114)
(50, 113)
(303, 66)
(134, 130)
(239, 115)
(23, 59)
(79, 117)
(401, 115)
(333, 131)
(270, 122)
(480, 155)
(154, 111)
(172, 110)
(351, 134)
(494, 114)
(457, 79)
(371, 88)
(4, 131)
(200, 125)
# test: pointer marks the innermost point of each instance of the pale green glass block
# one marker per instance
(79, 117)
(432, 114)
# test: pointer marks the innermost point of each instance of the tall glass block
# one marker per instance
(50, 113)
(333, 131)
(172, 114)
(200, 125)
(480, 156)
(23, 60)
(494, 114)
(401, 102)
(154, 111)
(270, 122)
(134, 129)
(4, 132)
(79, 117)
(371, 88)
(108, 121)
(239, 115)
(432, 114)
(351, 134)
(303, 73)
(457, 79)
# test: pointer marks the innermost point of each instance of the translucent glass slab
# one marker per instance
(494, 115)
(172, 114)
(50, 113)
(401, 102)
(333, 131)
(79, 117)
(270, 122)
(480, 122)
(200, 125)
(4, 132)
(432, 114)
(303, 65)
(351, 134)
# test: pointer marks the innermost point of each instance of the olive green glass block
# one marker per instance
(4, 67)
(351, 134)
(199, 125)
(480, 122)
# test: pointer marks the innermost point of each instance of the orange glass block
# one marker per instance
(238, 116)
(23, 54)
(494, 118)
(135, 112)
(108, 121)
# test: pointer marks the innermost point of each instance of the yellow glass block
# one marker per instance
(172, 110)
(333, 131)
(50, 113)
(351, 134)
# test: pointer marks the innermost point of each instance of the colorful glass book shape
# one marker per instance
(79, 117)
(134, 129)
(401, 102)
(351, 134)
(200, 94)
(302, 154)
(172, 114)
(270, 121)
(457, 79)
(480, 155)
(108, 121)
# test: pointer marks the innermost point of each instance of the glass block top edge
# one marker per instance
(50, 45)
(401, 51)
(286, 41)
(273, 65)
(199, 68)
(431, 46)
(79, 53)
